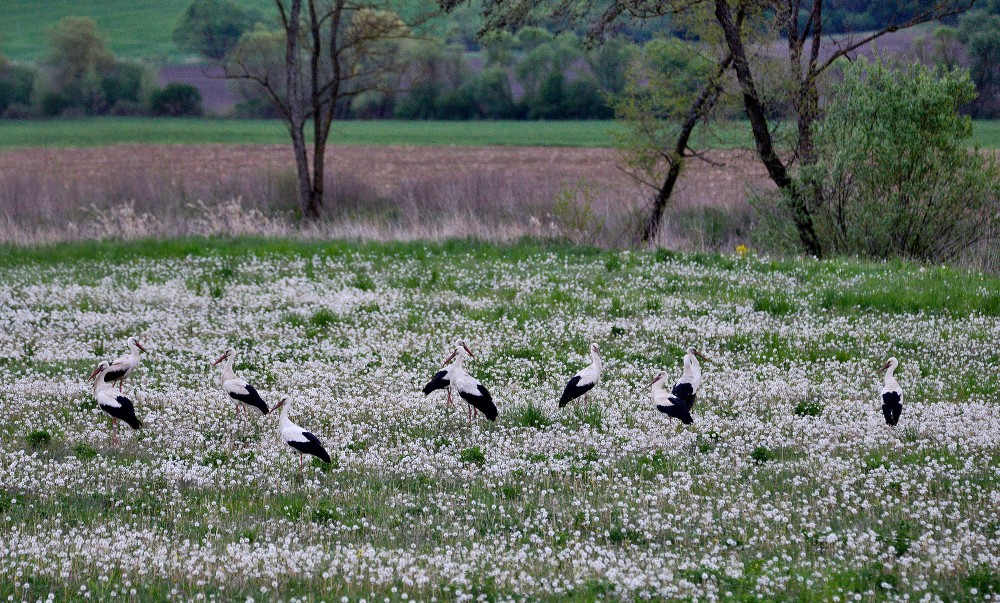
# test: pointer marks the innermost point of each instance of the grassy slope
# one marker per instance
(124, 130)
(134, 28)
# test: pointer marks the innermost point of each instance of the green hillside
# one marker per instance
(134, 28)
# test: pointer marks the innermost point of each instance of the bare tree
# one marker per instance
(334, 50)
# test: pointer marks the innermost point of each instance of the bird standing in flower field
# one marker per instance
(116, 405)
(469, 388)
(680, 400)
(304, 442)
(892, 394)
(584, 381)
(123, 366)
(237, 388)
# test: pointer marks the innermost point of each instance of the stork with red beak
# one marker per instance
(237, 388)
(304, 442)
(469, 388)
(892, 394)
(124, 365)
(115, 405)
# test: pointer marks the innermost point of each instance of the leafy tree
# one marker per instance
(126, 83)
(893, 169)
(79, 59)
(212, 28)
(980, 32)
(585, 100)
(17, 82)
(671, 88)
(418, 102)
(492, 94)
(743, 25)
(610, 62)
(176, 100)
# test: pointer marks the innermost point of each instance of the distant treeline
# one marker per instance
(533, 74)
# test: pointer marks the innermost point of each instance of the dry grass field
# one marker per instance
(377, 192)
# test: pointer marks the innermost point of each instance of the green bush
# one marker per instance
(492, 94)
(16, 84)
(39, 438)
(893, 175)
(418, 102)
(455, 104)
(212, 28)
(84, 451)
(761, 454)
(176, 100)
(809, 408)
(472, 455)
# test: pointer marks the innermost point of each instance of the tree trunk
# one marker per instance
(296, 120)
(702, 104)
(794, 197)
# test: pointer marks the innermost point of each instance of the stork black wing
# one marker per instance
(685, 393)
(483, 402)
(891, 407)
(112, 376)
(251, 398)
(440, 381)
(125, 412)
(574, 390)
(311, 446)
(677, 411)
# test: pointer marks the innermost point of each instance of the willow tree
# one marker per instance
(324, 54)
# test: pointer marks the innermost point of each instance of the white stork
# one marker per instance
(114, 404)
(584, 381)
(469, 388)
(304, 442)
(124, 365)
(237, 388)
(892, 394)
(684, 392)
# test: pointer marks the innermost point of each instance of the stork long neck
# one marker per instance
(658, 385)
(283, 417)
(692, 368)
(99, 383)
(890, 378)
(133, 351)
(596, 358)
(227, 369)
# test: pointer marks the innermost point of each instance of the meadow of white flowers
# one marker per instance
(788, 486)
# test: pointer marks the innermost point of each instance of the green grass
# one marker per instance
(90, 132)
(101, 131)
(134, 28)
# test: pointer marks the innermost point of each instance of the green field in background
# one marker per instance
(100, 131)
(138, 29)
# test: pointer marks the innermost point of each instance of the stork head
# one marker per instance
(101, 367)
(284, 400)
(460, 348)
(892, 363)
(231, 352)
(133, 342)
(659, 377)
(594, 349)
(693, 352)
